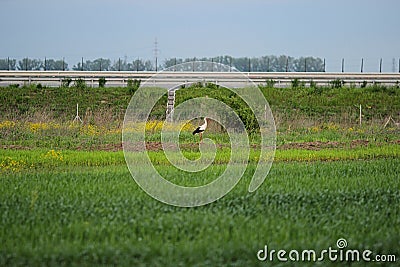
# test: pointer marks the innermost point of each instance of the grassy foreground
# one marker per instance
(98, 215)
(68, 199)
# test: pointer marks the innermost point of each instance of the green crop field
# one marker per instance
(67, 197)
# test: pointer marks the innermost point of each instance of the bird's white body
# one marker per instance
(201, 129)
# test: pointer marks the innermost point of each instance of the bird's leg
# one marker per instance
(201, 137)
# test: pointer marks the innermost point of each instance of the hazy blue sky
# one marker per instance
(111, 29)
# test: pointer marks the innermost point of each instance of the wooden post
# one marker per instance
(82, 65)
(380, 66)
(360, 115)
(324, 66)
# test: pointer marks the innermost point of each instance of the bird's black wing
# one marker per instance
(197, 131)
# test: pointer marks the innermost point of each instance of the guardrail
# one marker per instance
(120, 78)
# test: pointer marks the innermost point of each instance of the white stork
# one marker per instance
(201, 129)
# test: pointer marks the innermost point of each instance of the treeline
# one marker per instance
(256, 64)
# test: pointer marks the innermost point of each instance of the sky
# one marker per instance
(330, 29)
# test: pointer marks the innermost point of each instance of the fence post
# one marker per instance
(342, 64)
(63, 67)
(8, 63)
(380, 66)
(324, 66)
(82, 65)
(305, 64)
(287, 64)
(362, 64)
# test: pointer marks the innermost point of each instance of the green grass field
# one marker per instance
(68, 199)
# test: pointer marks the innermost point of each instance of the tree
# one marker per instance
(52, 64)
(8, 64)
(30, 64)
(99, 64)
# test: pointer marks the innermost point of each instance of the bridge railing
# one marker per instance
(120, 78)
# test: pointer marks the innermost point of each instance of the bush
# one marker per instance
(212, 85)
(337, 83)
(80, 83)
(296, 83)
(66, 82)
(364, 84)
(270, 83)
(102, 82)
(313, 84)
(133, 85)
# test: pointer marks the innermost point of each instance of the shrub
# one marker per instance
(296, 83)
(66, 82)
(363, 84)
(313, 84)
(80, 83)
(102, 82)
(270, 83)
(133, 85)
(212, 85)
(336, 83)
